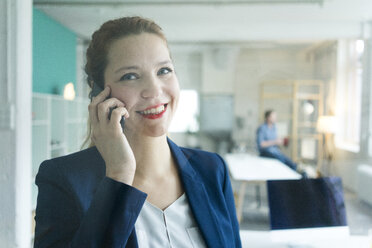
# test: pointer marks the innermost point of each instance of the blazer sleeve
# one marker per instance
(229, 199)
(61, 222)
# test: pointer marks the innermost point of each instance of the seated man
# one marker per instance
(268, 143)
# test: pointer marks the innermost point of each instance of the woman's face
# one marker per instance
(140, 73)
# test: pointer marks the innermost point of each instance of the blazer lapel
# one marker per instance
(198, 199)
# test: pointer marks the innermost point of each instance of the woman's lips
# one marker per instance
(154, 112)
(154, 107)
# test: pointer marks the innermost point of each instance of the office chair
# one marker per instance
(307, 203)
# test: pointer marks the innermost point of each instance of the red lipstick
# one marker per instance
(154, 116)
(155, 106)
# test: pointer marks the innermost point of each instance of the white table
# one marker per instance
(262, 239)
(249, 168)
(246, 167)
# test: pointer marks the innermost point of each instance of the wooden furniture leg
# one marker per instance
(241, 195)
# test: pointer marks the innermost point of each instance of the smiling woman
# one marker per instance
(134, 187)
(140, 73)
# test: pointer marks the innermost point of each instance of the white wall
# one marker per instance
(238, 71)
(199, 69)
(345, 163)
(252, 66)
(219, 67)
(208, 69)
(255, 66)
(188, 65)
(15, 123)
(188, 70)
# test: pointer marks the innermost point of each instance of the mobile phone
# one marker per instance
(95, 91)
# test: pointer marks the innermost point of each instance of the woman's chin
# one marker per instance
(155, 131)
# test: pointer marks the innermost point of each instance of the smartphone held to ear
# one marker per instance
(95, 91)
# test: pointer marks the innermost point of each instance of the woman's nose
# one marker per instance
(153, 88)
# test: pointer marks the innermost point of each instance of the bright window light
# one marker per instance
(359, 46)
(186, 117)
(349, 94)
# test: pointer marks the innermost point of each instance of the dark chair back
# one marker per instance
(306, 203)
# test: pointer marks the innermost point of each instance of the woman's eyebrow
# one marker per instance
(133, 67)
(165, 62)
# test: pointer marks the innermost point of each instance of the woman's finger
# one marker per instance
(105, 107)
(92, 108)
(101, 96)
(117, 114)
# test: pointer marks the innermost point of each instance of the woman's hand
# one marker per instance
(108, 136)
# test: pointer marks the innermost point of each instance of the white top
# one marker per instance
(247, 167)
(173, 227)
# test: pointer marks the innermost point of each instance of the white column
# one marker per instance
(15, 122)
(366, 129)
(366, 104)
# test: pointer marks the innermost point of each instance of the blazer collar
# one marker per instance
(198, 198)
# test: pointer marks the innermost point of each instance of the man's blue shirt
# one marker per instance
(266, 133)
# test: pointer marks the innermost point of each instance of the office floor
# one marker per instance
(359, 214)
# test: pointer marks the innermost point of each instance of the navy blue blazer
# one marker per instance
(78, 206)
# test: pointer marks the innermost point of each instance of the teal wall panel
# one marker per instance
(54, 55)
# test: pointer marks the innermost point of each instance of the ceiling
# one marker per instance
(223, 21)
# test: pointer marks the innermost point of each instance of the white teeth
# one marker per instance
(153, 111)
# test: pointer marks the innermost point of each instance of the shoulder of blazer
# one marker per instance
(89, 157)
(77, 174)
(80, 169)
(210, 166)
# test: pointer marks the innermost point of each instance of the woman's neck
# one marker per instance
(153, 156)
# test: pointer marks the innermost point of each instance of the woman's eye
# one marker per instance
(164, 71)
(129, 76)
